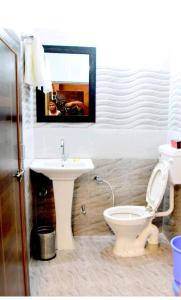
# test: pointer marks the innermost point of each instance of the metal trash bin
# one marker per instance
(45, 242)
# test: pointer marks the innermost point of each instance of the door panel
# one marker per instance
(12, 263)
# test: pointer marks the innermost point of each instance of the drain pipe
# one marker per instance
(150, 234)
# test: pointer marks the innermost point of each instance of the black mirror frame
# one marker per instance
(40, 98)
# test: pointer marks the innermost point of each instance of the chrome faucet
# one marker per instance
(62, 147)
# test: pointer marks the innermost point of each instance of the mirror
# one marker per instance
(73, 76)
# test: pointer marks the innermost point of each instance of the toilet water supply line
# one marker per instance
(101, 180)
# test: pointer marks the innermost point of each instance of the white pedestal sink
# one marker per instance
(63, 174)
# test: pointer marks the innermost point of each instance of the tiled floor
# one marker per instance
(92, 270)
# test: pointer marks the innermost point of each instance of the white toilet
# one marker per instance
(131, 224)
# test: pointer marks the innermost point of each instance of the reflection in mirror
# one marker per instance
(72, 98)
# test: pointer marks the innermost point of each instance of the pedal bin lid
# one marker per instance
(157, 185)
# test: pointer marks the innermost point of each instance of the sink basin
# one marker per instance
(63, 173)
(57, 169)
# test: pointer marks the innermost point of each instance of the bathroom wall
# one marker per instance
(132, 78)
(128, 179)
(131, 104)
(131, 122)
(132, 97)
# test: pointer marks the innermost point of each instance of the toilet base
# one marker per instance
(128, 253)
(138, 252)
(146, 242)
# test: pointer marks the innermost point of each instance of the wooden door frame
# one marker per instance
(9, 38)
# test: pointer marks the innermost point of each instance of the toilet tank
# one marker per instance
(173, 156)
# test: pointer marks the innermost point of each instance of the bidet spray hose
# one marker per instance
(100, 180)
(113, 202)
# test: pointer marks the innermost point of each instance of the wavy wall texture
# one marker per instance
(132, 98)
(128, 99)
(174, 121)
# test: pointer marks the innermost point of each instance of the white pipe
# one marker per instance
(113, 202)
(150, 234)
(169, 211)
(153, 237)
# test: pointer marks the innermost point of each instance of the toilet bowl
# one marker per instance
(131, 224)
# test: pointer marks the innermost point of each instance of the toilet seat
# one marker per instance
(157, 185)
(131, 214)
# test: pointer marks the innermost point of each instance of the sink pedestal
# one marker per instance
(63, 174)
(63, 195)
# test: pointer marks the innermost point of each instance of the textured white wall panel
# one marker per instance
(174, 121)
(131, 118)
(128, 99)
(132, 99)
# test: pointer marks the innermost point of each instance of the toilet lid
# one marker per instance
(157, 185)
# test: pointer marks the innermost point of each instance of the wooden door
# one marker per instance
(13, 257)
